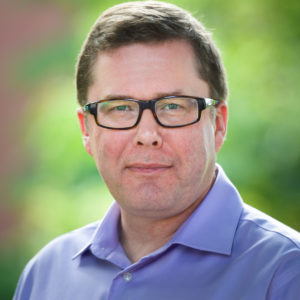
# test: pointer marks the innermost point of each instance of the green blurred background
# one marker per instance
(49, 185)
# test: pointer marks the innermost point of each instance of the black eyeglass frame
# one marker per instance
(203, 103)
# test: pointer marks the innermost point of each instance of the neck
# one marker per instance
(140, 235)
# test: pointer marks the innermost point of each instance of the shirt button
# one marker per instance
(127, 276)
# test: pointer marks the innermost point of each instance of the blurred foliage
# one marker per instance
(60, 188)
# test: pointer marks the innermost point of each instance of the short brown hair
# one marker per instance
(148, 22)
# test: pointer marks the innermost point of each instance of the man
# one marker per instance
(153, 94)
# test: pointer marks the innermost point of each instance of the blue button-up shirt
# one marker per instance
(225, 250)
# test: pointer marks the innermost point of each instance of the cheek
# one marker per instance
(197, 146)
(107, 147)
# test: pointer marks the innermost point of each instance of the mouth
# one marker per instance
(152, 168)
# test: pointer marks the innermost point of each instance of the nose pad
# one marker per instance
(147, 131)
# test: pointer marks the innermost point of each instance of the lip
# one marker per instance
(148, 168)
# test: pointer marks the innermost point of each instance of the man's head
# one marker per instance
(150, 22)
(151, 170)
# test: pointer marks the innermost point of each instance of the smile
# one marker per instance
(147, 168)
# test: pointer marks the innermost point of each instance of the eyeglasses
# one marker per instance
(170, 111)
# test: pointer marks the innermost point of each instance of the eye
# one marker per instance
(171, 106)
(117, 106)
(122, 108)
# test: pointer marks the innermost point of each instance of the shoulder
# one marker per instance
(272, 248)
(268, 242)
(59, 252)
(69, 243)
(264, 226)
(53, 262)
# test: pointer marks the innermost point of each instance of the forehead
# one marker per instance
(144, 70)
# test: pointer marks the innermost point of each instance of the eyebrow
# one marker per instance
(157, 95)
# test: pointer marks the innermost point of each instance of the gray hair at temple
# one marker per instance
(150, 22)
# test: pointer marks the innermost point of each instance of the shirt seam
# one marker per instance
(269, 230)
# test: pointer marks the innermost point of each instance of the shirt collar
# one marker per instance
(213, 224)
(105, 238)
(211, 227)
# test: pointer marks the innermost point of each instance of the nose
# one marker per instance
(147, 131)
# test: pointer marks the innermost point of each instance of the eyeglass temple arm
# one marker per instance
(86, 108)
(90, 108)
(211, 102)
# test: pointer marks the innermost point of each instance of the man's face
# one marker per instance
(152, 171)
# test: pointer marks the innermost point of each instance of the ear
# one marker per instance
(85, 134)
(220, 124)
